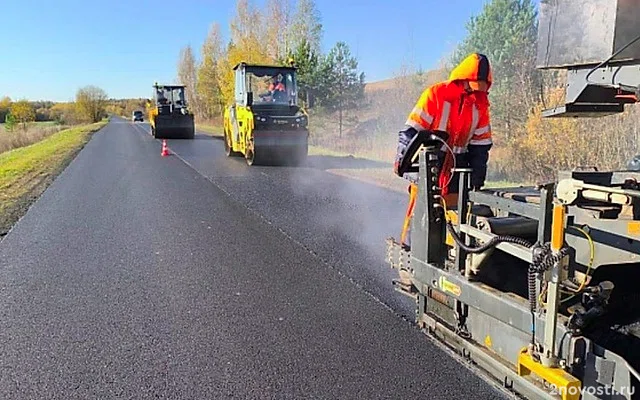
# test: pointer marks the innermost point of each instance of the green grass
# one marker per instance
(26, 171)
(504, 184)
(45, 123)
(31, 124)
(329, 152)
(324, 151)
(42, 156)
(211, 130)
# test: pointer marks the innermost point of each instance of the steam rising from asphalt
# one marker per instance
(349, 221)
(364, 213)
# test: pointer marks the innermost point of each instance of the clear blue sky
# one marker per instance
(51, 48)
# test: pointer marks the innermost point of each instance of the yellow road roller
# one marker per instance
(169, 116)
(265, 123)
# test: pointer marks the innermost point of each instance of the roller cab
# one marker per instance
(265, 124)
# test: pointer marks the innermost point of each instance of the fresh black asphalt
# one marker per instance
(343, 221)
(138, 276)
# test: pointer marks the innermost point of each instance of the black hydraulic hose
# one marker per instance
(532, 275)
(491, 243)
(542, 259)
(605, 62)
(531, 280)
(564, 336)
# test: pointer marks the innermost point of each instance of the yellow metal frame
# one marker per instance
(453, 217)
(153, 111)
(565, 384)
(557, 227)
(244, 118)
(413, 195)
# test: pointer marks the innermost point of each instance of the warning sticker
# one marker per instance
(448, 286)
(633, 228)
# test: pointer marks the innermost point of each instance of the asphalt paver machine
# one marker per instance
(539, 286)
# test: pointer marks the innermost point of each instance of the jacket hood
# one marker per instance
(473, 68)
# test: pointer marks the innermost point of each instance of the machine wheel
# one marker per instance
(254, 159)
(250, 157)
(227, 147)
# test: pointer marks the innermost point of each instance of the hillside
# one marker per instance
(371, 129)
(401, 81)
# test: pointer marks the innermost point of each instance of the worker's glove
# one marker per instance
(404, 138)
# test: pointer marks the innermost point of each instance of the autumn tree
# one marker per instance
(307, 26)
(65, 113)
(343, 85)
(5, 106)
(115, 108)
(131, 105)
(209, 74)
(266, 35)
(23, 112)
(247, 45)
(125, 107)
(91, 102)
(278, 28)
(43, 113)
(248, 32)
(187, 76)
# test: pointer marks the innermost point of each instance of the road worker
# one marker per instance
(460, 107)
(275, 91)
(276, 84)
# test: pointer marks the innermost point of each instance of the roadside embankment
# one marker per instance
(27, 171)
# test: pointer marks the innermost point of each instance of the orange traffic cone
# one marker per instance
(165, 150)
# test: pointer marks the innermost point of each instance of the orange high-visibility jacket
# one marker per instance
(447, 106)
(279, 87)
